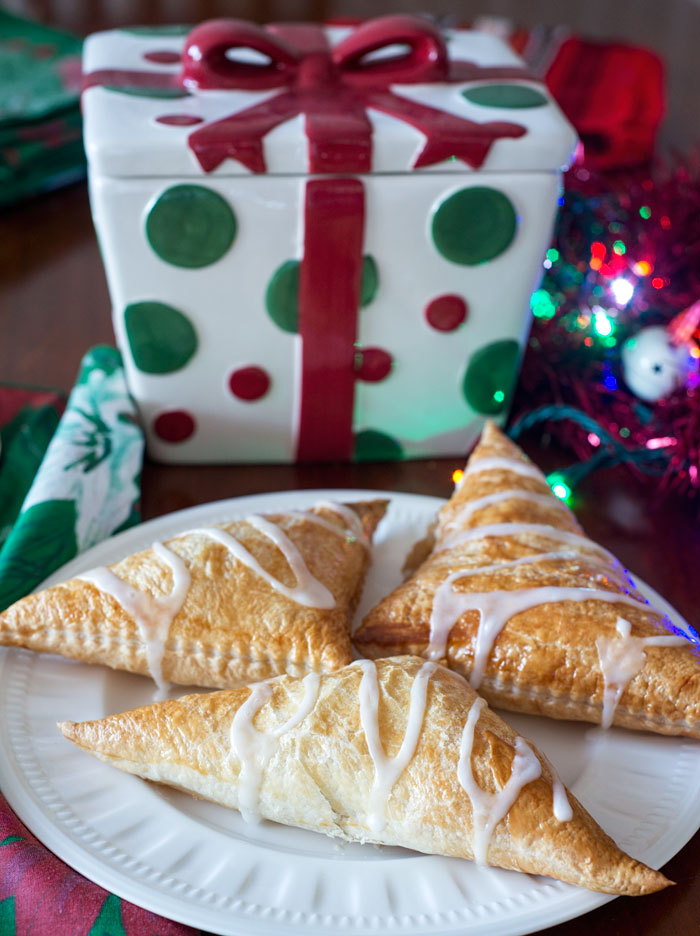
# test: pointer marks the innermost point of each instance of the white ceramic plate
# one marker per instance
(201, 864)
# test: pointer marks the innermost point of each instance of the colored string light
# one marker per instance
(542, 304)
(624, 258)
(602, 323)
(622, 290)
(559, 486)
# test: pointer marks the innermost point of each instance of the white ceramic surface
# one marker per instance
(420, 403)
(201, 864)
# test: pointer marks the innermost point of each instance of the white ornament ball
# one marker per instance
(652, 365)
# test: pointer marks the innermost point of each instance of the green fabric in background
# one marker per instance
(40, 123)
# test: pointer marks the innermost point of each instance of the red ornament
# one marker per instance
(613, 94)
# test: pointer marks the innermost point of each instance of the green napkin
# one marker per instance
(40, 124)
(88, 483)
(28, 420)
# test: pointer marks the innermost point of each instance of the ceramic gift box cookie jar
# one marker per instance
(320, 242)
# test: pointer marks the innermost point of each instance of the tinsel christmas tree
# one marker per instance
(611, 367)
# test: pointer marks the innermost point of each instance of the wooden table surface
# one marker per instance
(54, 305)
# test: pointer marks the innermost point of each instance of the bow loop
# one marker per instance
(365, 57)
(207, 62)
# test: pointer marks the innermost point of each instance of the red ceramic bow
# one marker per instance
(333, 88)
(298, 55)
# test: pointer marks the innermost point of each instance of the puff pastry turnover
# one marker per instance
(399, 752)
(538, 617)
(219, 606)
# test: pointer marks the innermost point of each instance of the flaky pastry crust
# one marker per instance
(321, 772)
(233, 627)
(545, 660)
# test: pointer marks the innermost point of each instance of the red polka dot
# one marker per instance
(249, 383)
(164, 57)
(445, 313)
(174, 426)
(179, 120)
(373, 364)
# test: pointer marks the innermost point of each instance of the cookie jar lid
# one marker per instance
(391, 95)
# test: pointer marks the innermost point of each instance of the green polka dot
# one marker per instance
(135, 91)
(505, 95)
(190, 226)
(490, 377)
(474, 225)
(172, 29)
(282, 297)
(371, 445)
(370, 280)
(162, 339)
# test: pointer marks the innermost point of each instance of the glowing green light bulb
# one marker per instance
(559, 487)
(542, 304)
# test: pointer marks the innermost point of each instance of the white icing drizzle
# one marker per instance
(468, 509)
(254, 748)
(495, 609)
(308, 591)
(621, 658)
(561, 807)
(387, 770)
(352, 521)
(516, 465)
(500, 530)
(152, 615)
(489, 808)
